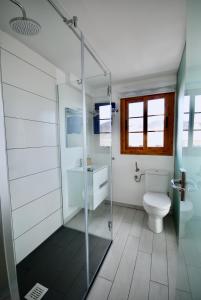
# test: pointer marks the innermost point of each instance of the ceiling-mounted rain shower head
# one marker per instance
(24, 25)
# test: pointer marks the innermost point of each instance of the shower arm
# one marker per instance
(21, 7)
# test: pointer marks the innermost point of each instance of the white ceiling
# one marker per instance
(135, 38)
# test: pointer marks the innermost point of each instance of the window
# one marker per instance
(105, 125)
(192, 122)
(186, 118)
(197, 122)
(147, 124)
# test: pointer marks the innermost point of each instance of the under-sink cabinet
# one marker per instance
(98, 187)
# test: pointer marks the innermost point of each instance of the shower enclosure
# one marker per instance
(53, 241)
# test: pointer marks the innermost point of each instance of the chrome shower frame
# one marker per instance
(76, 30)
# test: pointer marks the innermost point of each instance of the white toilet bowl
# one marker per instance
(157, 206)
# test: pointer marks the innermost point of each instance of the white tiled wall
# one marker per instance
(30, 108)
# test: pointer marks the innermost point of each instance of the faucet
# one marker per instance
(136, 167)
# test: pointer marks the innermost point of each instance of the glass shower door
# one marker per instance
(188, 160)
(98, 152)
(86, 161)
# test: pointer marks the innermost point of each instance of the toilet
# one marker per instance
(155, 200)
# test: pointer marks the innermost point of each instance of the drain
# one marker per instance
(37, 292)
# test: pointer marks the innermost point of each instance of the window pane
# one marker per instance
(135, 124)
(135, 109)
(198, 103)
(105, 112)
(135, 139)
(197, 138)
(155, 139)
(105, 140)
(105, 125)
(197, 121)
(156, 107)
(185, 139)
(186, 103)
(156, 123)
(185, 121)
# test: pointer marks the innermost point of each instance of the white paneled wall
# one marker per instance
(31, 79)
(24, 105)
(23, 162)
(31, 239)
(30, 134)
(35, 212)
(23, 190)
(31, 120)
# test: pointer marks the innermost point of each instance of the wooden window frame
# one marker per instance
(168, 125)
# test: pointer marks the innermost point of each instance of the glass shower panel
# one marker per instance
(49, 249)
(99, 140)
(188, 157)
(72, 166)
(62, 242)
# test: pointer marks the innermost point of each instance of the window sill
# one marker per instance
(148, 152)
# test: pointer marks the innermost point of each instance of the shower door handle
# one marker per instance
(180, 184)
(177, 185)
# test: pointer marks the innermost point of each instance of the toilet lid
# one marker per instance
(158, 200)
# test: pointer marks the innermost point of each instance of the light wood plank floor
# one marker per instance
(140, 265)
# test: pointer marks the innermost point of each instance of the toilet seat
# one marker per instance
(157, 200)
